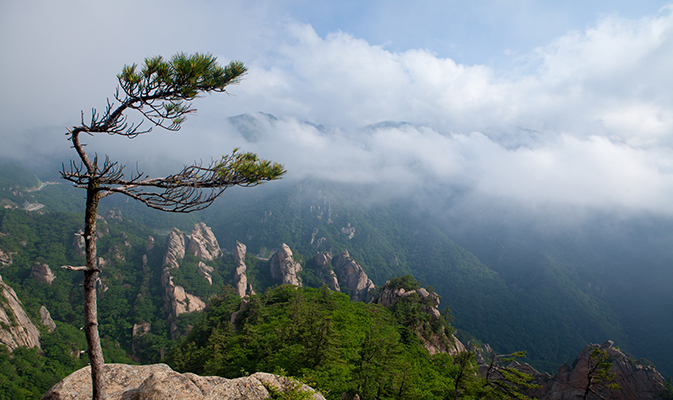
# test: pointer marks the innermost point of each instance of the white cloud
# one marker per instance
(584, 121)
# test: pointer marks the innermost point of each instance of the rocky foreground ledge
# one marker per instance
(160, 382)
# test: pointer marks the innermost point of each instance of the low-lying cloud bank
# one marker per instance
(586, 121)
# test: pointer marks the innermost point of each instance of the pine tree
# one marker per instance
(162, 92)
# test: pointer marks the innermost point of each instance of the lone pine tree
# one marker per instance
(162, 92)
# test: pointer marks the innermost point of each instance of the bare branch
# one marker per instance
(80, 268)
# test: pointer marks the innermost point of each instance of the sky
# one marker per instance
(538, 103)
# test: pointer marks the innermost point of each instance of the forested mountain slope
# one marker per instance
(542, 293)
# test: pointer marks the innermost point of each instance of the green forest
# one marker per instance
(336, 345)
(512, 299)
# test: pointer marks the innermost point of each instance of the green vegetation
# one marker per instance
(322, 337)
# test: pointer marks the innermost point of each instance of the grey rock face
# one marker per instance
(206, 271)
(203, 243)
(175, 249)
(42, 273)
(636, 381)
(45, 317)
(160, 382)
(352, 276)
(16, 329)
(325, 273)
(240, 278)
(284, 268)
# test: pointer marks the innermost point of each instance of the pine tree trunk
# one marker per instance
(94, 351)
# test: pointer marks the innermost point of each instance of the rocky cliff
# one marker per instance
(325, 273)
(284, 268)
(16, 329)
(352, 276)
(636, 381)
(241, 284)
(160, 382)
(203, 245)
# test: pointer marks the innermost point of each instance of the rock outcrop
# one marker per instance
(5, 259)
(352, 276)
(160, 382)
(79, 244)
(207, 271)
(45, 317)
(16, 329)
(434, 342)
(42, 273)
(325, 273)
(284, 268)
(636, 381)
(179, 301)
(203, 243)
(175, 249)
(241, 284)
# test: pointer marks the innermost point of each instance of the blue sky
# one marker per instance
(469, 32)
(546, 104)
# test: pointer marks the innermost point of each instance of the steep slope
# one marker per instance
(548, 317)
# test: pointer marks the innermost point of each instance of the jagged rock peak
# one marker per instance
(325, 273)
(240, 278)
(203, 243)
(636, 381)
(45, 317)
(352, 276)
(160, 382)
(42, 273)
(284, 268)
(175, 249)
(16, 329)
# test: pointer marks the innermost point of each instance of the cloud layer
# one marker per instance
(586, 120)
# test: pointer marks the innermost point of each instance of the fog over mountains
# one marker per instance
(552, 162)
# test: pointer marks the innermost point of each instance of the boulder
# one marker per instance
(284, 268)
(160, 382)
(16, 329)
